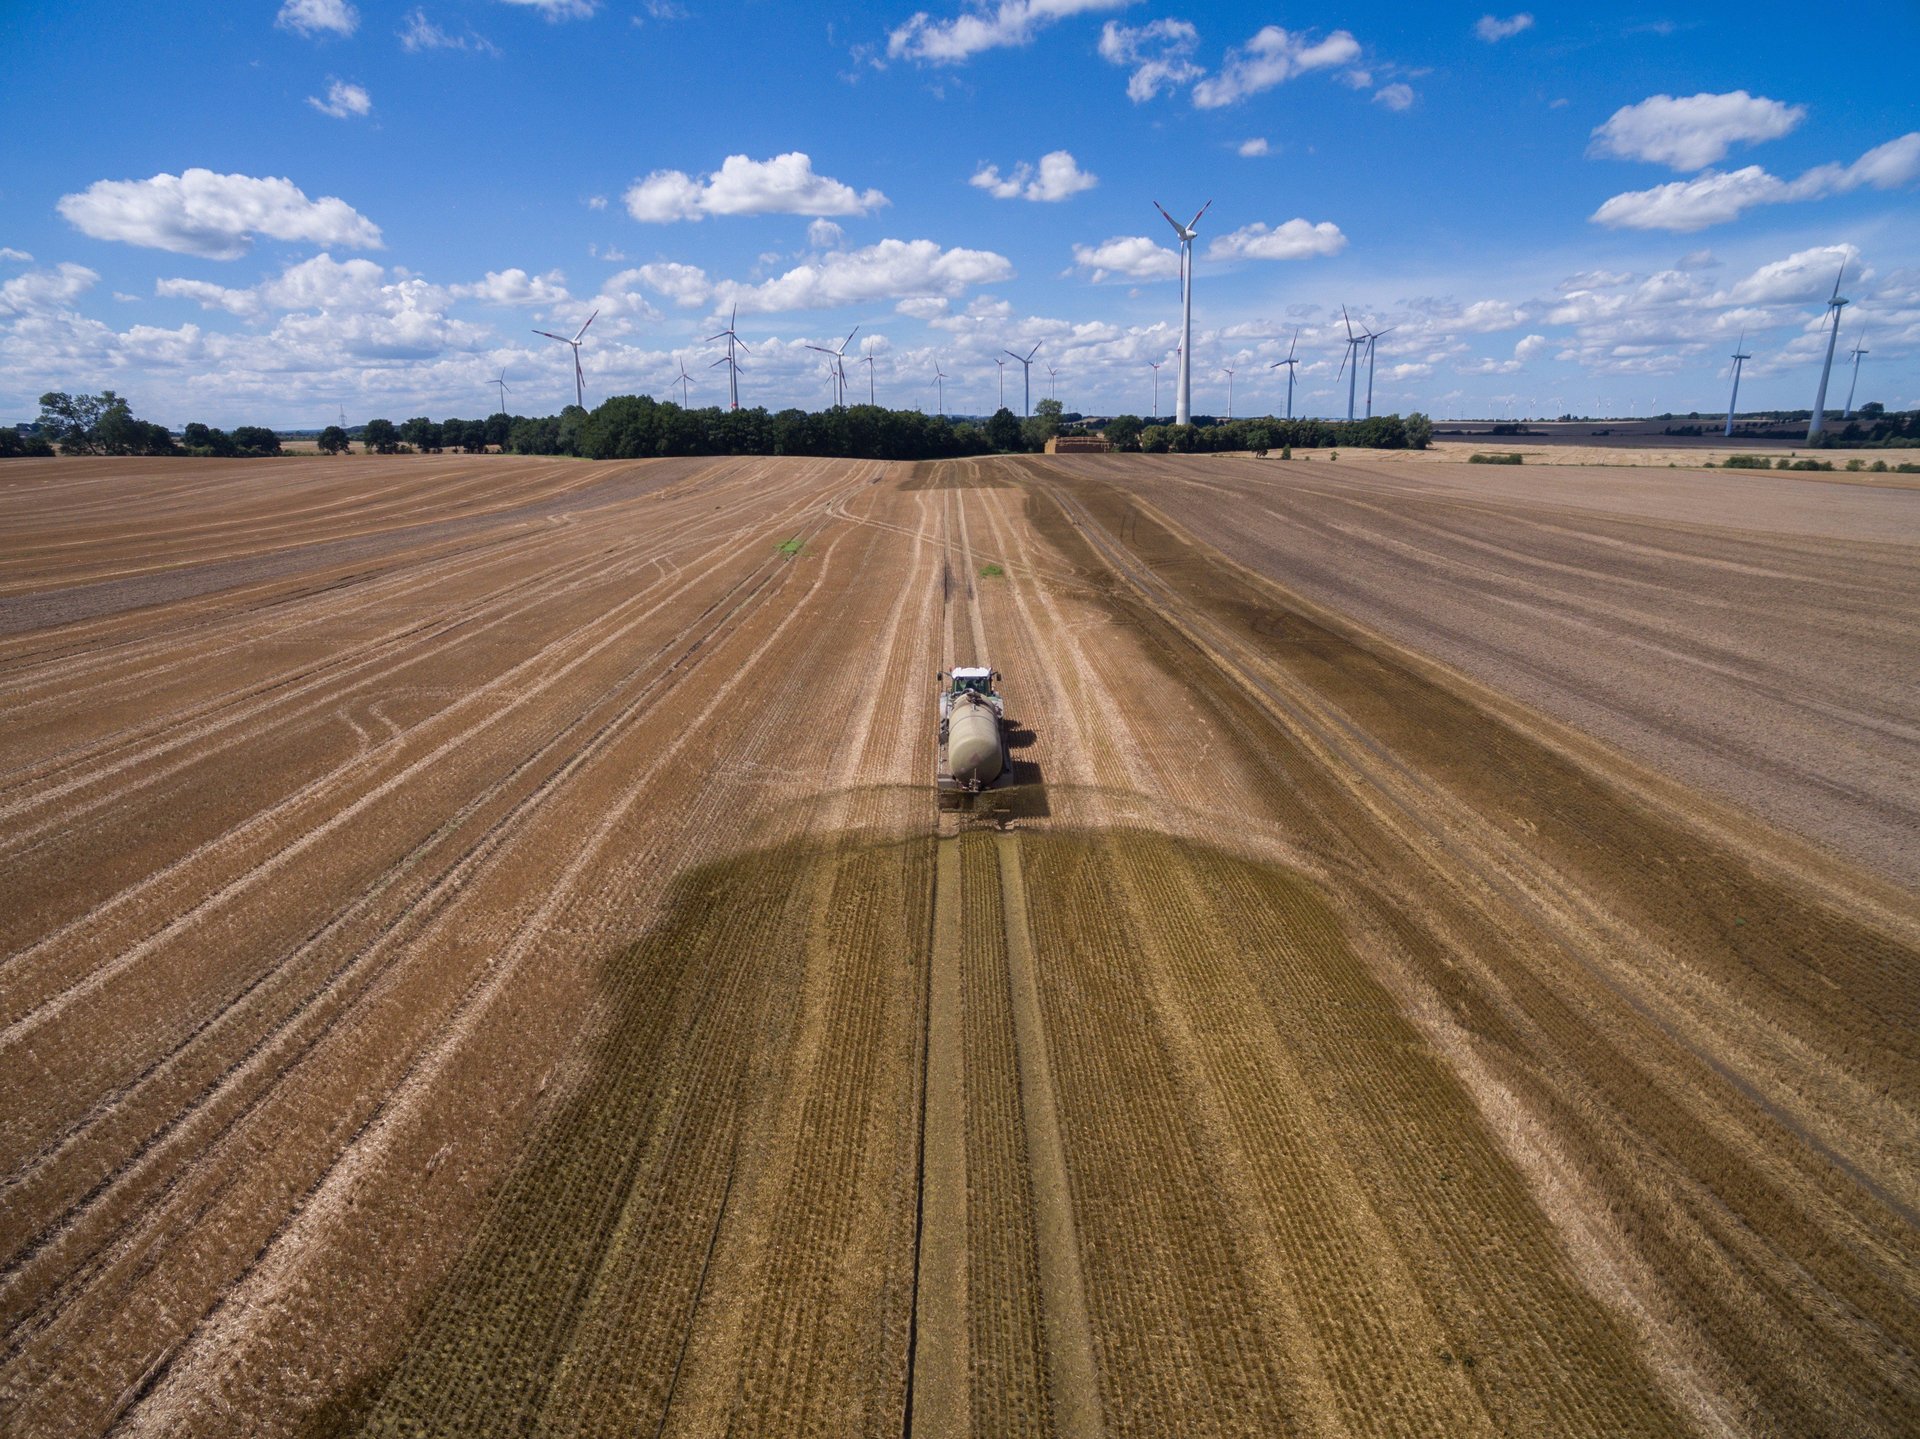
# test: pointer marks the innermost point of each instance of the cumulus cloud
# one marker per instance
(1526, 350)
(1683, 206)
(1804, 277)
(1133, 256)
(825, 235)
(422, 34)
(889, 270)
(7, 252)
(686, 285)
(1294, 240)
(784, 185)
(1693, 132)
(343, 101)
(1257, 146)
(318, 17)
(1056, 178)
(1160, 54)
(198, 212)
(516, 287)
(556, 10)
(1394, 97)
(39, 291)
(1492, 29)
(1010, 22)
(1270, 58)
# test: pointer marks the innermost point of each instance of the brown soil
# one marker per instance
(483, 955)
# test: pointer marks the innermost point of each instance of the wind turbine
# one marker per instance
(868, 357)
(1026, 366)
(1289, 362)
(1353, 350)
(685, 378)
(1155, 365)
(732, 364)
(1738, 359)
(1371, 337)
(1183, 397)
(1857, 351)
(1228, 371)
(1051, 373)
(839, 366)
(504, 388)
(579, 379)
(1003, 381)
(940, 391)
(1835, 304)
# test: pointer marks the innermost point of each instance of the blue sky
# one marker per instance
(265, 212)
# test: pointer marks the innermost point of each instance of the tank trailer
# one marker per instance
(973, 741)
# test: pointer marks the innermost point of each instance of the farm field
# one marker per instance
(481, 954)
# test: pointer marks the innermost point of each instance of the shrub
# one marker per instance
(1745, 462)
(1483, 458)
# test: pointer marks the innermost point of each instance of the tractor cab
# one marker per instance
(979, 680)
(969, 685)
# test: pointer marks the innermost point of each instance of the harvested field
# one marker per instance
(483, 956)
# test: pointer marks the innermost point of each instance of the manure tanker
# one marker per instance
(973, 742)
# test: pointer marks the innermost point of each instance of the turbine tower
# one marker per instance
(1051, 372)
(1371, 336)
(1289, 362)
(940, 391)
(685, 379)
(1003, 381)
(1155, 365)
(1227, 370)
(501, 382)
(1834, 304)
(1026, 367)
(839, 365)
(579, 379)
(732, 364)
(868, 357)
(1350, 361)
(1738, 359)
(1857, 351)
(1183, 396)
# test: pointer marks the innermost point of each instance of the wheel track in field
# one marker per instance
(467, 1004)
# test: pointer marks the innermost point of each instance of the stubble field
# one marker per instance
(481, 954)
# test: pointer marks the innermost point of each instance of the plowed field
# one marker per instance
(480, 954)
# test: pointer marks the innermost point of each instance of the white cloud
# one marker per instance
(1523, 352)
(7, 252)
(923, 307)
(596, 202)
(1250, 149)
(343, 100)
(1716, 197)
(1529, 347)
(314, 17)
(1294, 240)
(556, 10)
(1801, 278)
(422, 34)
(1394, 97)
(1159, 52)
(1011, 22)
(43, 290)
(198, 212)
(1270, 58)
(1693, 132)
(1486, 315)
(784, 185)
(686, 285)
(1056, 178)
(1493, 30)
(516, 287)
(1134, 256)
(825, 235)
(889, 270)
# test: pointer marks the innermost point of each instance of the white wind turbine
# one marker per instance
(1183, 396)
(501, 382)
(732, 364)
(1289, 362)
(868, 358)
(1227, 370)
(579, 379)
(1026, 366)
(839, 364)
(1155, 365)
(1371, 336)
(1350, 362)
(1738, 359)
(1003, 381)
(1052, 374)
(685, 380)
(1835, 304)
(939, 390)
(1857, 351)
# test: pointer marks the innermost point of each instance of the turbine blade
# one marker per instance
(551, 336)
(741, 343)
(1836, 281)
(849, 340)
(1170, 220)
(1295, 341)
(1198, 213)
(583, 329)
(1348, 323)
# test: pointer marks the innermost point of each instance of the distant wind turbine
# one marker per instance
(1350, 362)
(1051, 373)
(1857, 351)
(868, 357)
(1835, 304)
(732, 364)
(579, 379)
(1738, 359)
(839, 364)
(1026, 366)
(1183, 396)
(939, 390)
(1371, 336)
(1155, 365)
(504, 388)
(1228, 371)
(685, 380)
(1003, 381)
(1289, 362)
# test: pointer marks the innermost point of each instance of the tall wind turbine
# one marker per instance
(939, 390)
(1289, 362)
(1155, 365)
(1003, 381)
(839, 364)
(1183, 397)
(504, 387)
(579, 379)
(1857, 351)
(1350, 361)
(868, 357)
(1026, 366)
(732, 364)
(1371, 336)
(685, 380)
(1834, 304)
(1051, 374)
(1227, 370)
(1739, 359)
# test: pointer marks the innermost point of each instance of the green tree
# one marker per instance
(255, 440)
(1003, 430)
(333, 441)
(420, 432)
(382, 437)
(1419, 430)
(74, 420)
(1123, 432)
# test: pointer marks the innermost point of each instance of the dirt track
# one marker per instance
(473, 963)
